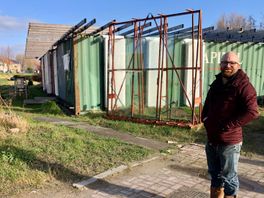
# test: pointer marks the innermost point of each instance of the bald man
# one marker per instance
(230, 104)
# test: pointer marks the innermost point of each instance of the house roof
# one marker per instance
(8, 61)
(41, 36)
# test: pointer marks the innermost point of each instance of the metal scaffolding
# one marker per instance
(166, 73)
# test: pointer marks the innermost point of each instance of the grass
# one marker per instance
(47, 152)
(253, 136)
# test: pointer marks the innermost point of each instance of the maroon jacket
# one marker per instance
(229, 107)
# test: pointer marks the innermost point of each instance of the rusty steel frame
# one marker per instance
(197, 57)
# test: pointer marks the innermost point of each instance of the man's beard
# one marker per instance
(227, 73)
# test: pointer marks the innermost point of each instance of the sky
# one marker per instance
(16, 14)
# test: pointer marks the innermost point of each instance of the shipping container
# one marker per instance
(251, 57)
(90, 73)
(65, 73)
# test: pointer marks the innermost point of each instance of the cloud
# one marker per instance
(13, 32)
(9, 23)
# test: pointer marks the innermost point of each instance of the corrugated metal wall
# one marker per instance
(64, 53)
(61, 72)
(91, 73)
(251, 56)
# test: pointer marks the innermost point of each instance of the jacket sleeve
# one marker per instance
(249, 108)
(206, 106)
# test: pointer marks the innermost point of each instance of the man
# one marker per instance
(230, 104)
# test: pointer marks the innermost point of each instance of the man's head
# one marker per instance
(229, 64)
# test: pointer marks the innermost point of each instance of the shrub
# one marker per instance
(51, 107)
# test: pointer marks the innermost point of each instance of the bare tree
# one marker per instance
(235, 21)
(221, 23)
(31, 64)
(261, 24)
(20, 58)
(28, 64)
(251, 22)
(7, 54)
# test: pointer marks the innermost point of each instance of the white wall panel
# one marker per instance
(119, 63)
(151, 61)
(55, 72)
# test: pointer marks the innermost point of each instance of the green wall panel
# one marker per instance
(91, 73)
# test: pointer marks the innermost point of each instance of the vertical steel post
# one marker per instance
(166, 64)
(201, 65)
(133, 66)
(114, 96)
(142, 74)
(77, 105)
(159, 72)
(162, 66)
(193, 82)
(110, 73)
(138, 53)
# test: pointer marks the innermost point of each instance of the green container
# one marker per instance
(90, 53)
(251, 58)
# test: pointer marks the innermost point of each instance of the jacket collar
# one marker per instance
(235, 80)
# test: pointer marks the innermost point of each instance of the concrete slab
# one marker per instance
(38, 100)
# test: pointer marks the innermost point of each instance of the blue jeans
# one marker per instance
(222, 164)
